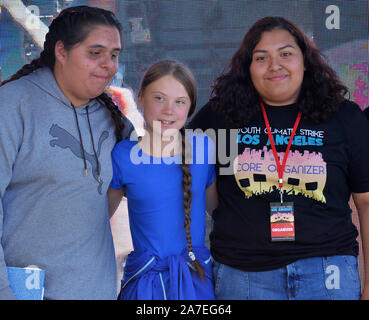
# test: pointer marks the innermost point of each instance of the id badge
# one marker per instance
(282, 221)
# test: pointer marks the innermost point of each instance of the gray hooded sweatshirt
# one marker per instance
(51, 214)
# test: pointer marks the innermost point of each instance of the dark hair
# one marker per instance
(184, 75)
(72, 26)
(235, 96)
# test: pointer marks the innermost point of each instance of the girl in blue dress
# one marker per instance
(168, 177)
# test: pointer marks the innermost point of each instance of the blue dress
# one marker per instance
(159, 267)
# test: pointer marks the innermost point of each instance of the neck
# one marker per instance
(280, 104)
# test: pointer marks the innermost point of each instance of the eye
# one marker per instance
(260, 58)
(115, 55)
(159, 98)
(114, 58)
(94, 53)
(286, 54)
(180, 102)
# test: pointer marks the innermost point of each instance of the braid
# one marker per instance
(187, 198)
(26, 69)
(116, 114)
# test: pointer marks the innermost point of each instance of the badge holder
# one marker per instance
(282, 221)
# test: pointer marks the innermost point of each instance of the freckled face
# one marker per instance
(87, 68)
(277, 68)
(166, 102)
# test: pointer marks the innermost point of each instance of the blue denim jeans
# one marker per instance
(318, 278)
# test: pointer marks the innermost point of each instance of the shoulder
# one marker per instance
(123, 148)
(13, 95)
(125, 144)
(353, 123)
(366, 112)
(19, 92)
(349, 106)
(349, 112)
(28, 81)
(14, 89)
(206, 109)
(206, 118)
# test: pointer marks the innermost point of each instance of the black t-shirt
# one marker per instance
(366, 111)
(326, 163)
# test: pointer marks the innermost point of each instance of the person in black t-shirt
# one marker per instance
(285, 232)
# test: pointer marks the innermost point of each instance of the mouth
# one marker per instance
(277, 78)
(166, 123)
(102, 78)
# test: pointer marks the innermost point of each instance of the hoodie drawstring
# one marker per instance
(93, 147)
(81, 143)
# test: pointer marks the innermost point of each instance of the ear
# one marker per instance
(140, 99)
(60, 52)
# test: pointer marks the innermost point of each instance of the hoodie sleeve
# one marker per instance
(11, 132)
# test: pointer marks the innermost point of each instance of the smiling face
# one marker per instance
(166, 104)
(84, 71)
(277, 68)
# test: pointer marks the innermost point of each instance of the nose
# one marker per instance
(167, 108)
(108, 63)
(275, 63)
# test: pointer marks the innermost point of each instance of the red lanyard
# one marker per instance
(279, 166)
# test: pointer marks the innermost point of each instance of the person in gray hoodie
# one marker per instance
(57, 130)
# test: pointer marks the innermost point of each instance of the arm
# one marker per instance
(362, 204)
(211, 198)
(114, 198)
(11, 137)
(5, 177)
(5, 292)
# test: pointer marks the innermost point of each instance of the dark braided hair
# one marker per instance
(186, 78)
(187, 198)
(72, 26)
(235, 97)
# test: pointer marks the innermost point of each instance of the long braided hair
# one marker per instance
(180, 72)
(72, 26)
